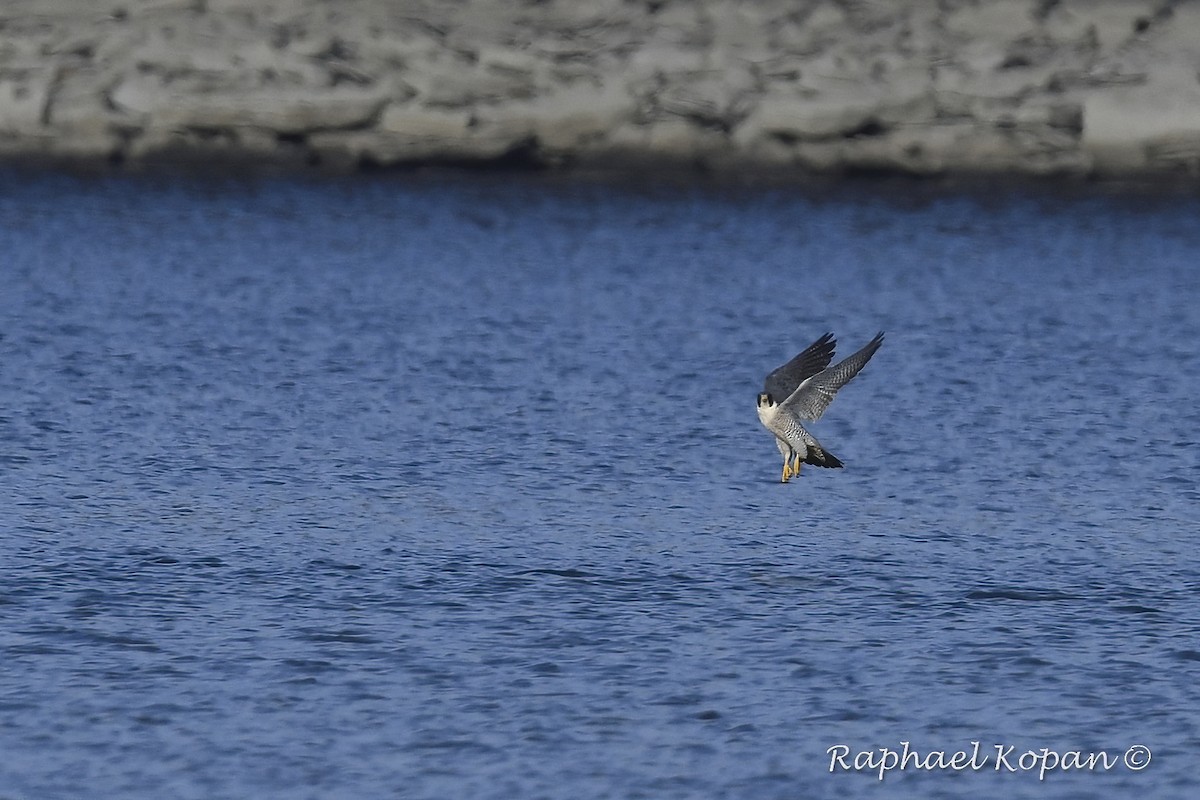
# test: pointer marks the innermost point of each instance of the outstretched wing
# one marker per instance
(816, 357)
(814, 395)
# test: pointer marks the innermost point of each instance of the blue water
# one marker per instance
(455, 489)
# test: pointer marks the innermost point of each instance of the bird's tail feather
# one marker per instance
(822, 458)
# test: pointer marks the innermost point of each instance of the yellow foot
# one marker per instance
(786, 474)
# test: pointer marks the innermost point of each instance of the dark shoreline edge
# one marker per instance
(638, 175)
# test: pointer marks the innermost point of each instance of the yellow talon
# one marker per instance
(787, 473)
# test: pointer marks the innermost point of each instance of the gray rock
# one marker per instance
(1077, 87)
(290, 110)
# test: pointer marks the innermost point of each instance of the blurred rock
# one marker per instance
(1086, 88)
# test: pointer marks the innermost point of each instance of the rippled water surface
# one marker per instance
(455, 489)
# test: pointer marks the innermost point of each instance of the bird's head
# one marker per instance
(765, 400)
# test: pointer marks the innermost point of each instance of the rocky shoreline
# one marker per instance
(779, 88)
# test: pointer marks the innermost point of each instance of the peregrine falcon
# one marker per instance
(801, 390)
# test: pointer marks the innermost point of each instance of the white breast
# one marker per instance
(767, 414)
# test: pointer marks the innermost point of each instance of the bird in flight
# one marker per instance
(801, 390)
